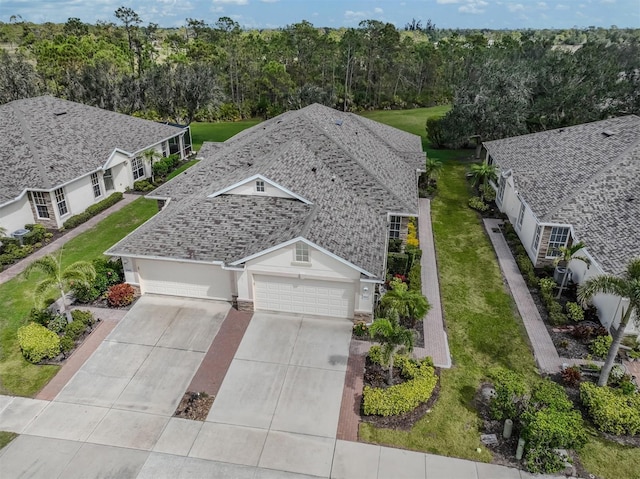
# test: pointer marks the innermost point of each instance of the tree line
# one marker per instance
(499, 83)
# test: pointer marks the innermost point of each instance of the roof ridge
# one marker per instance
(358, 162)
(34, 152)
(593, 178)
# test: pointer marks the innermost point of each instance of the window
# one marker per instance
(302, 253)
(260, 186)
(138, 168)
(40, 203)
(107, 177)
(394, 227)
(61, 202)
(520, 216)
(558, 239)
(536, 238)
(501, 184)
(95, 184)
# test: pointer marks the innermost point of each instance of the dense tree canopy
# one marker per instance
(499, 83)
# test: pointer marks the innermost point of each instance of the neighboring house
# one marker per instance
(293, 215)
(580, 183)
(59, 157)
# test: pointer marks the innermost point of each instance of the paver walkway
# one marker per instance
(17, 268)
(436, 343)
(349, 421)
(544, 351)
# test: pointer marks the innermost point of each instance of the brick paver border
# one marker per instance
(349, 419)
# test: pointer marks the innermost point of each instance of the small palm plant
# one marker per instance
(568, 253)
(626, 287)
(410, 306)
(60, 279)
(482, 173)
(432, 169)
(393, 338)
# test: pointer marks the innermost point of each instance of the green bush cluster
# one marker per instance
(600, 346)
(395, 245)
(510, 393)
(38, 343)
(526, 268)
(415, 277)
(476, 203)
(166, 165)
(405, 397)
(574, 311)
(397, 263)
(554, 308)
(37, 234)
(546, 286)
(108, 273)
(92, 210)
(120, 295)
(14, 252)
(611, 410)
(143, 185)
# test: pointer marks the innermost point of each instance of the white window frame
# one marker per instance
(61, 202)
(395, 225)
(520, 216)
(558, 238)
(501, 186)
(302, 252)
(39, 201)
(95, 185)
(260, 188)
(137, 167)
(536, 239)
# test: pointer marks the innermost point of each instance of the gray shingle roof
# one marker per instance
(350, 172)
(587, 176)
(46, 141)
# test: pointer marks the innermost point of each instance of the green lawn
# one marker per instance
(17, 376)
(201, 132)
(179, 170)
(6, 438)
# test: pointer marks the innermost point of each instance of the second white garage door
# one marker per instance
(323, 298)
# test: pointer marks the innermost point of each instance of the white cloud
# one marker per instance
(561, 6)
(473, 7)
(352, 14)
(607, 1)
(449, 1)
(515, 7)
(543, 5)
(216, 9)
(231, 2)
(269, 1)
(378, 10)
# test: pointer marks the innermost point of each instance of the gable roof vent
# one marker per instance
(59, 113)
(339, 122)
(608, 133)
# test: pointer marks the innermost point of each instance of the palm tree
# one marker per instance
(401, 302)
(392, 338)
(568, 253)
(432, 169)
(627, 287)
(481, 174)
(150, 157)
(59, 279)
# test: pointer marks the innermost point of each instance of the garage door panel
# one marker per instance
(324, 298)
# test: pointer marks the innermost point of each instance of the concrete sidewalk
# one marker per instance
(436, 343)
(17, 268)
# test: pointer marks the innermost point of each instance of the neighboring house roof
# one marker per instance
(46, 142)
(587, 176)
(350, 170)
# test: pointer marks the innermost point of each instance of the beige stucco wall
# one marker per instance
(17, 214)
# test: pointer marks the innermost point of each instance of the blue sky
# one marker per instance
(496, 14)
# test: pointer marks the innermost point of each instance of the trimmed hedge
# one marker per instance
(92, 210)
(611, 410)
(405, 397)
(38, 343)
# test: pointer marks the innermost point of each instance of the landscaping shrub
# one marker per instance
(41, 316)
(600, 346)
(546, 393)
(543, 460)
(35, 235)
(588, 331)
(397, 263)
(414, 254)
(574, 311)
(412, 235)
(477, 204)
(526, 268)
(75, 329)
(58, 324)
(489, 193)
(415, 279)
(571, 376)
(108, 273)
(611, 410)
(360, 329)
(38, 343)
(92, 210)
(405, 397)
(510, 390)
(120, 295)
(143, 185)
(84, 317)
(67, 343)
(546, 286)
(395, 245)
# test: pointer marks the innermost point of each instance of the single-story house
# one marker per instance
(59, 157)
(580, 183)
(291, 215)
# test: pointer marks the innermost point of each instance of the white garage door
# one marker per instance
(324, 298)
(184, 279)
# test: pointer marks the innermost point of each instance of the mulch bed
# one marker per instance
(194, 406)
(375, 376)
